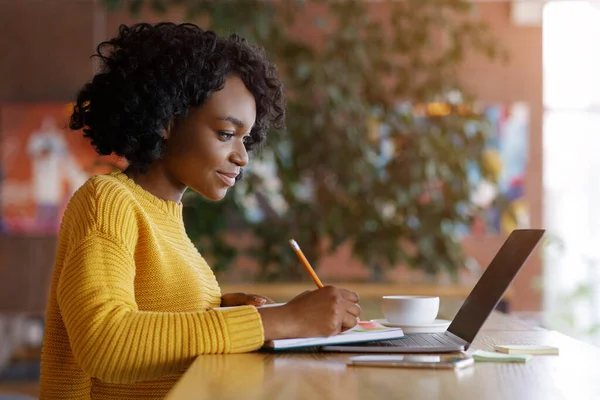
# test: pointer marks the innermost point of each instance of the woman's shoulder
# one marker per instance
(104, 204)
(105, 190)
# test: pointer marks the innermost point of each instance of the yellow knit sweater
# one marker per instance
(130, 301)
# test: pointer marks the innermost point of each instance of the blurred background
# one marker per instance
(419, 135)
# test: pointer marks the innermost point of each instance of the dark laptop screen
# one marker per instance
(493, 283)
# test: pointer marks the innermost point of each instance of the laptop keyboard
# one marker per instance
(417, 340)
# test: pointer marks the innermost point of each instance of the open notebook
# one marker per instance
(358, 334)
(367, 333)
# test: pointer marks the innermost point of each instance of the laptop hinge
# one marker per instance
(457, 339)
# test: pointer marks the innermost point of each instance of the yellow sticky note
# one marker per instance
(526, 349)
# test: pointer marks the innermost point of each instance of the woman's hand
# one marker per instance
(244, 299)
(322, 312)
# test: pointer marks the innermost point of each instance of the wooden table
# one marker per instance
(574, 374)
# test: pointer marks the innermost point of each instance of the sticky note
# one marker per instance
(490, 356)
(526, 349)
(368, 325)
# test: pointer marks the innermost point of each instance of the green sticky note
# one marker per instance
(490, 356)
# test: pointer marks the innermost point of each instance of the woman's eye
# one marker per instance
(225, 136)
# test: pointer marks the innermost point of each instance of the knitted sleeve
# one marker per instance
(112, 340)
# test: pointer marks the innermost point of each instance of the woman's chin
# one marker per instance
(215, 196)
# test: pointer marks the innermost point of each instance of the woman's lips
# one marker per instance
(228, 178)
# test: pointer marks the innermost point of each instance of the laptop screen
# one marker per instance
(493, 283)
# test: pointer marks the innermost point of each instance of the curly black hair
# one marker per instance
(152, 74)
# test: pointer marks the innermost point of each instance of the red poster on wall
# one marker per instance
(42, 164)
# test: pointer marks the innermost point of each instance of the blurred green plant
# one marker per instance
(379, 132)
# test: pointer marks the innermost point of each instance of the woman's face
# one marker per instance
(205, 151)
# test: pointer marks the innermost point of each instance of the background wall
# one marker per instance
(45, 49)
(519, 80)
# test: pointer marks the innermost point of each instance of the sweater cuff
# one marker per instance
(245, 329)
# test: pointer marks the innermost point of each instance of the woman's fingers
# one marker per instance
(350, 295)
(349, 321)
(260, 300)
(353, 309)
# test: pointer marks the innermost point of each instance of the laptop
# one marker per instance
(475, 310)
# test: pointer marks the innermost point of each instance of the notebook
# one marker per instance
(357, 334)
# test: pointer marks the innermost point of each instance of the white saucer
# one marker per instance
(439, 325)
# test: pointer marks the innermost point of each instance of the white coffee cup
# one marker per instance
(410, 310)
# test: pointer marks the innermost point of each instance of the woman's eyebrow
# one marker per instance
(233, 120)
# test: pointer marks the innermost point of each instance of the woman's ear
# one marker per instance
(169, 130)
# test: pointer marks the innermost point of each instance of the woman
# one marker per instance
(131, 301)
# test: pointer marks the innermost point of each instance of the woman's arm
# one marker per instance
(244, 299)
(114, 341)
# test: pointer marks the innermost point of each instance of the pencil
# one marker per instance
(313, 274)
(305, 262)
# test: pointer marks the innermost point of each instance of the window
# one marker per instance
(571, 151)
